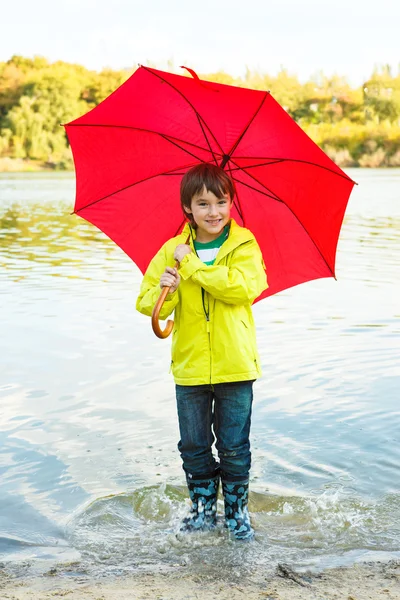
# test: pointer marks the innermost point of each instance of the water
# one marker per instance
(89, 470)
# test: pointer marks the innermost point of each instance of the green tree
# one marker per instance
(360, 126)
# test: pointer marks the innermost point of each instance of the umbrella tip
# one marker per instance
(193, 73)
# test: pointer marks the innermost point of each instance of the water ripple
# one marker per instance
(88, 431)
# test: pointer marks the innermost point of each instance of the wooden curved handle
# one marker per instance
(155, 316)
(156, 311)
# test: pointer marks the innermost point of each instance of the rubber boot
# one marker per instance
(203, 514)
(237, 518)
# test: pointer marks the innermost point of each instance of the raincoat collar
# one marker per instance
(237, 235)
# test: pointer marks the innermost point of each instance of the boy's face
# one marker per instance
(210, 214)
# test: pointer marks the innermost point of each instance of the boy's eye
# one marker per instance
(205, 203)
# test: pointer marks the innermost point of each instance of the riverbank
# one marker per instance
(342, 158)
(363, 581)
(22, 165)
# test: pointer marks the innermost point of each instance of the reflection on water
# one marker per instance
(88, 430)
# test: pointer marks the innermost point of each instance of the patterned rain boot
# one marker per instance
(203, 514)
(237, 518)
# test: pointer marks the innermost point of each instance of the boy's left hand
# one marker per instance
(181, 251)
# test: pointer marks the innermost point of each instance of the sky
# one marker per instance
(344, 37)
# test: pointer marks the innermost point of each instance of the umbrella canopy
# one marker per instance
(131, 151)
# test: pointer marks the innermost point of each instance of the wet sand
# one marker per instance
(368, 580)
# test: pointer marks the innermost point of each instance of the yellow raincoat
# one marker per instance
(213, 340)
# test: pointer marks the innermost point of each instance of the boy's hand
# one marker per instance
(170, 278)
(181, 251)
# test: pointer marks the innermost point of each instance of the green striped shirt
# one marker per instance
(207, 252)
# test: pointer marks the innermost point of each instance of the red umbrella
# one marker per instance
(132, 150)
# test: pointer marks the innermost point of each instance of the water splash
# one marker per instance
(129, 530)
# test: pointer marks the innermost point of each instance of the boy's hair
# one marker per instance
(207, 175)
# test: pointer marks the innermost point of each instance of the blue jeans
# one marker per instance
(220, 412)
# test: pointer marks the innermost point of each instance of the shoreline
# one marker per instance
(19, 165)
(361, 581)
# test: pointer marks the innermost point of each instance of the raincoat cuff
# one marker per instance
(170, 297)
(189, 264)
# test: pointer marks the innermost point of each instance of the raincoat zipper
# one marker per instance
(207, 315)
(206, 312)
(209, 342)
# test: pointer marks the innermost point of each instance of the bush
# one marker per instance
(340, 156)
(374, 159)
(394, 160)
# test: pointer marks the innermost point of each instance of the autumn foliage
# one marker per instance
(356, 127)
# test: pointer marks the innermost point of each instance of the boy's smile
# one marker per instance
(210, 214)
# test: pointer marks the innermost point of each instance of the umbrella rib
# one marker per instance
(204, 133)
(294, 214)
(237, 204)
(235, 145)
(167, 137)
(188, 101)
(277, 160)
(171, 174)
(180, 147)
(132, 185)
(251, 187)
(272, 162)
(180, 226)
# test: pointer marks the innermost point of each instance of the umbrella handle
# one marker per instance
(155, 316)
(156, 311)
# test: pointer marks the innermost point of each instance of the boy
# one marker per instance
(214, 354)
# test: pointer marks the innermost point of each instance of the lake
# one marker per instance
(89, 467)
